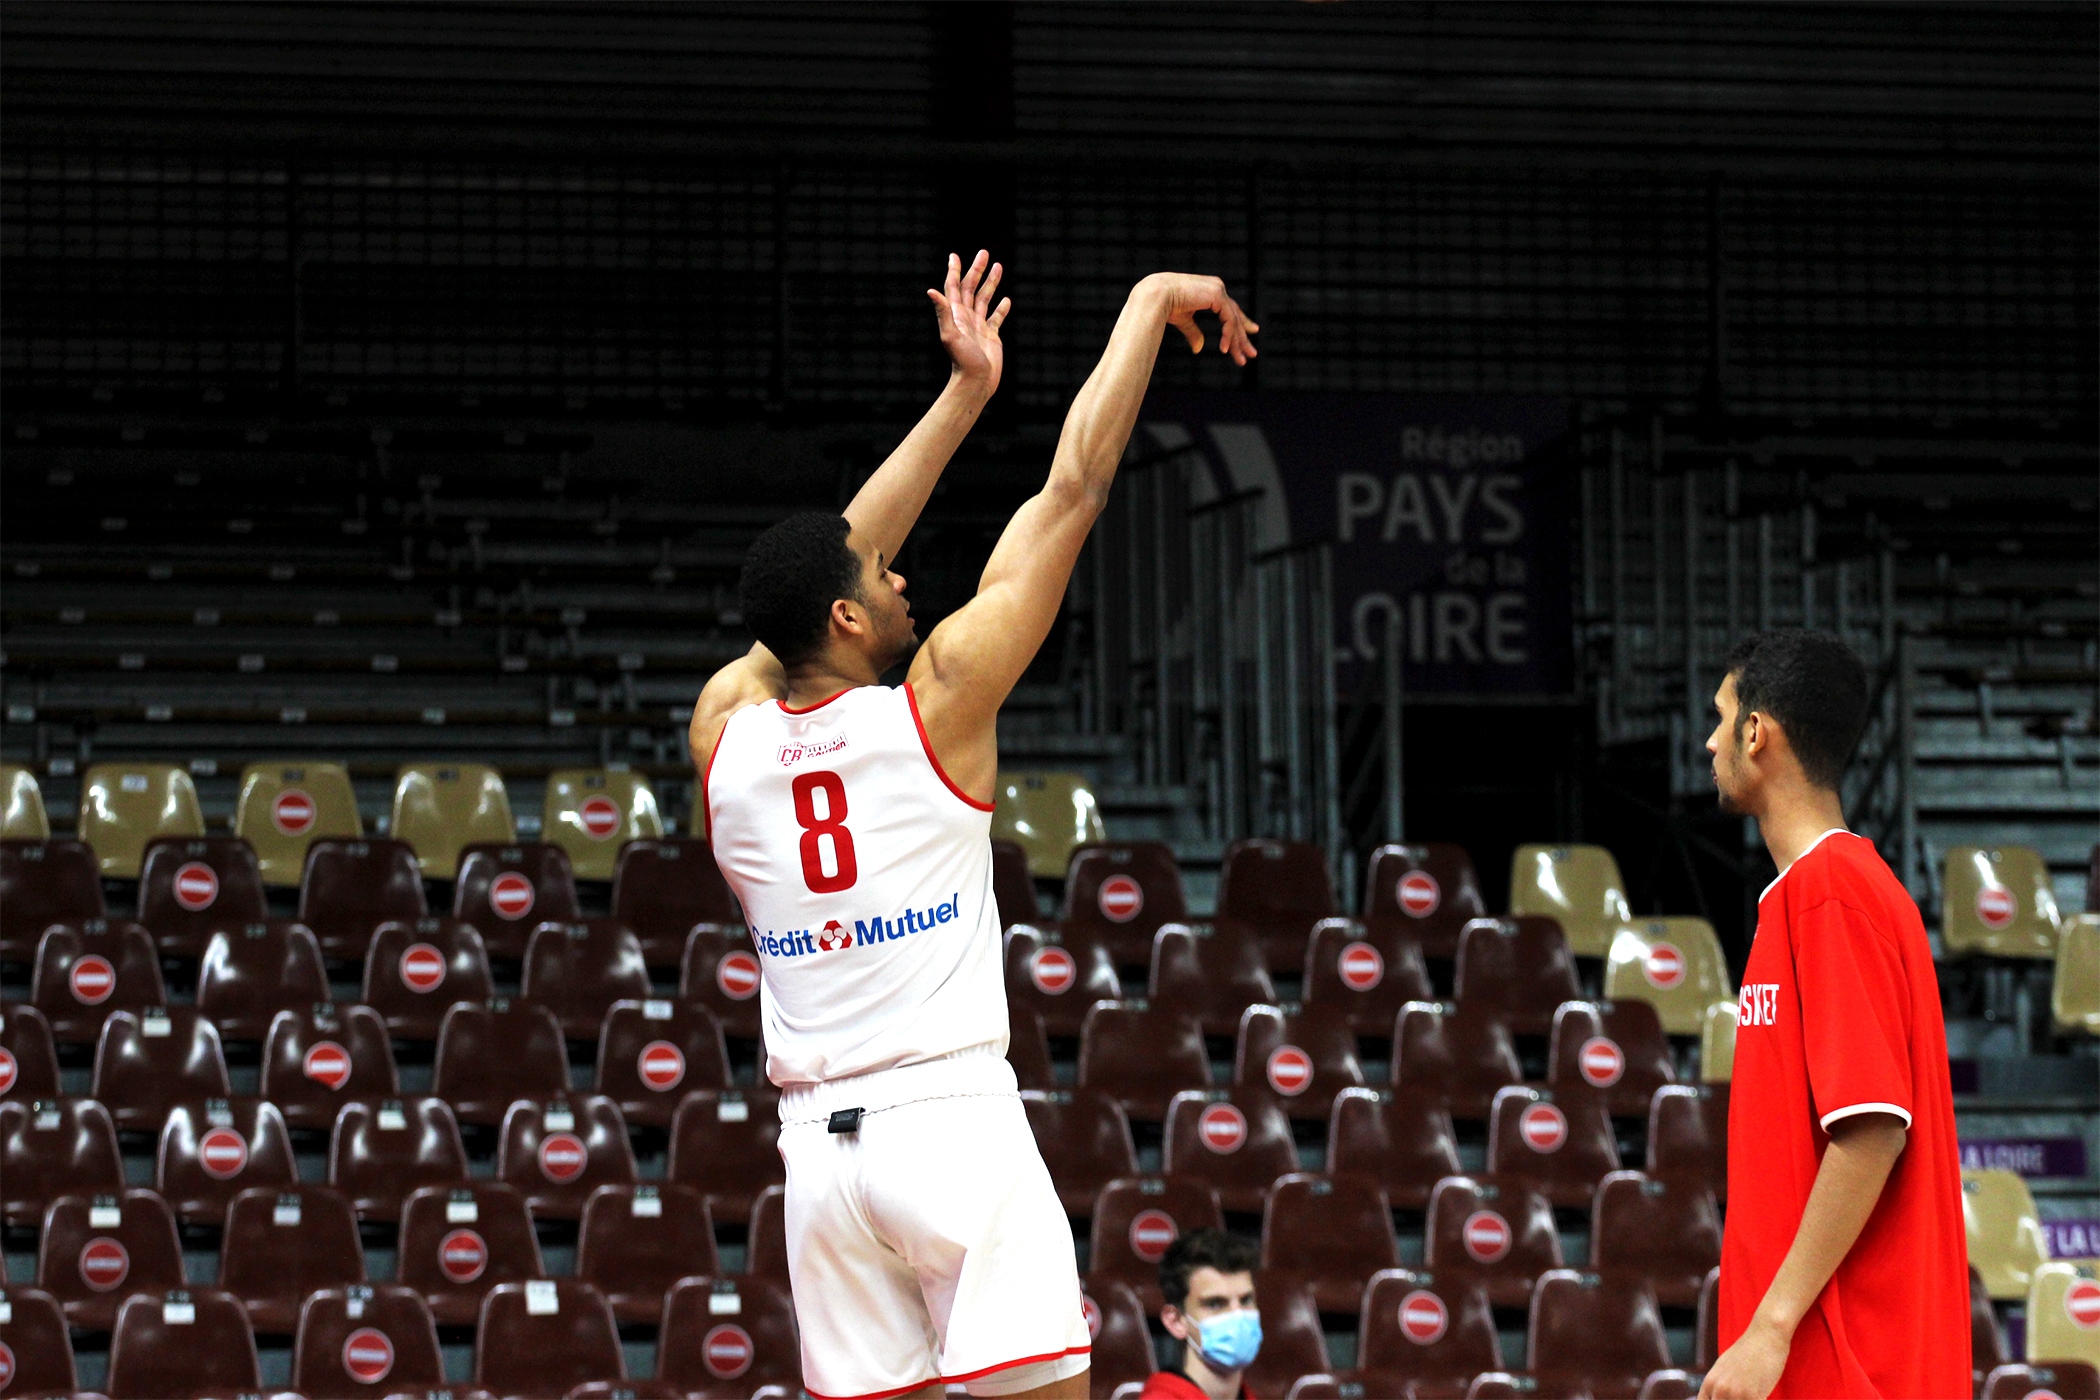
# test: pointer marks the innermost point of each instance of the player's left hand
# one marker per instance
(969, 323)
(1749, 1369)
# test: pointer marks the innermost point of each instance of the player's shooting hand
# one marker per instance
(1187, 293)
(1749, 1369)
(969, 323)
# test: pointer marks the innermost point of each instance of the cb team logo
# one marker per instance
(1053, 970)
(727, 1351)
(1423, 1318)
(511, 895)
(600, 816)
(1120, 899)
(422, 967)
(1996, 906)
(1290, 1070)
(292, 812)
(661, 1065)
(7, 1366)
(1222, 1128)
(1151, 1231)
(1663, 965)
(1603, 1062)
(1091, 1311)
(1362, 967)
(1419, 893)
(368, 1355)
(463, 1255)
(104, 1263)
(92, 980)
(562, 1157)
(196, 886)
(222, 1153)
(1543, 1127)
(737, 976)
(1486, 1236)
(2082, 1303)
(9, 1070)
(327, 1064)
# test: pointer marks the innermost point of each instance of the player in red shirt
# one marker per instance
(1844, 1266)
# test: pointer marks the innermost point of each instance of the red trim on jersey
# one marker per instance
(939, 772)
(787, 709)
(955, 1380)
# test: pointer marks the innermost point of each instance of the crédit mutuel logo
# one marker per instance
(834, 936)
(792, 754)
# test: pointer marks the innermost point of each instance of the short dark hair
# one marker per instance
(1200, 1249)
(792, 575)
(1814, 685)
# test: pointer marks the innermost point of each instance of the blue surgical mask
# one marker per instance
(1229, 1341)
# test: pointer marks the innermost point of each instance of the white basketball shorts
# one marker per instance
(929, 1246)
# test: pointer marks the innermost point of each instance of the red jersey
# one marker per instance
(1173, 1385)
(1840, 1014)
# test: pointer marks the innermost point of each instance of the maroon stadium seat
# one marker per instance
(507, 891)
(1494, 1231)
(1142, 1054)
(578, 970)
(1423, 1333)
(728, 1338)
(538, 1339)
(1518, 970)
(1401, 1139)
(1365, 974)
(1460, 1054)
(52, 1147)
(1278, 890)
(1986, 1342)
(766, 1243)
(1562, 1141)
(1013, 888)
(1666, 1232)
(34, 1345)
(87, 971)
(252, 972)
(98, 1249)
(1211, 974)
(1135, 1219)
(150, 1061)
(283, 1242)
(1122, 1344)
(557, 1151)
(184, 1342)
(1671, 1383)
(637, 1241)
(1028, 1048)
(1059, 979)
(1616, 1048)
(417, 971)
(28, 1056)
(662, 887)
(1304, 1054)
(1688, 1135)
(2067, 1380)
(212, 1151)
(1330, 1233)
(1603, 1336)
(366, 1340)
(317, 1059)
(1706, 1346)
(351, 887)
(1238, 1140)
(651, 1052)
(720, 972)
(458, 1242)
(383, 1151)
(489, 1056)
(44, 883)
(191, 887)
(725, 1143)
(1085, 1141)
(1118, 894)
(1423, 895)
(1292, 1343)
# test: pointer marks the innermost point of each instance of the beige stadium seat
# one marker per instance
(2005, 1231)
(1578, 885)
(440, 807)
(1047, 815)
(2063, 1312)
(1717, 1043)
(285, 806)
(1997, 901)
(22, 806)
(592, 812)
(1675, 965)
(125, 805)
(2074, 993)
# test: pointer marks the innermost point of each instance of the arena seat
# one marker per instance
(1706, 1341)
(1688, 1135)
(720, 971)
(2074, 987)
(1085, 1140)
(1277, 890)
(725, 1143)
(382, 1329)
(97, 1249)
(728, 1338)
(557, 1151)
(1597, 1335)
(317, 1059)
(417, 971)
(1238, 1140)
(2061, 1303)
(1671, 1383)
(192, 1341)
(1122, 1344)
(1495, 1231)
(1136, 1218)
(1717, 1043)
(457, 1242)
(38, 1350)
(1561, 1140)
(1461, 1055)
(191, 887)
(1422, 1333)
(638, 1240)
(1663, 1230)
(1028, 1048)
(125, 805)
(592, 812)
(1119, 894)
(490, 1055)
(1402, 1139)
(2066, 1380)
(283, 1242)
(1986, 1342)
(44, 883)
(28, 1055)
(1141, 1054)
(539, 1338)
(251, 973)
(1997, 902)
(149, 1061)
(1613, 1048)
(284, 808)
(1577, 886)
(651, 1052)
(441, 808)
(1365, 974)
(49, 1147)
(578, 970)
(1422, 896)
(350, 888)
(22, 815)
(662, 887)
(1331, 1233)
(211, 1151)
(1058, 977)
(1518, 970)
(87, 972)
(1304, 1054)
(1013, 888)
(2006, 1245)
(1048, 815)
(1676, 965)
(766, 1245)
(1212, 974)
(1292, 1341)
(508, 890)
(384, 1151)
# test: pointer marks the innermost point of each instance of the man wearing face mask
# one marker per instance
(1207, 1279)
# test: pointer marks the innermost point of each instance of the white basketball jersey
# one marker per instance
(867, 880)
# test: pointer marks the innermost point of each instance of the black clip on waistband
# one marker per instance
(845, 1120)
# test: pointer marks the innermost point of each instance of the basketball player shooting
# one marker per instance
(925, 1243)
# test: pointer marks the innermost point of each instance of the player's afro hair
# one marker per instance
(793, 574)
(1814, 685)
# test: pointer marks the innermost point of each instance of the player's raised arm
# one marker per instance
(973, 660)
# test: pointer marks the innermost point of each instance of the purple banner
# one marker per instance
(2055, 1156)
(2072, 1239)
